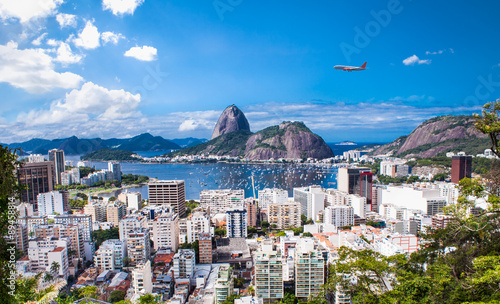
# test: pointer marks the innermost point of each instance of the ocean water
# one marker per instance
(200, 177)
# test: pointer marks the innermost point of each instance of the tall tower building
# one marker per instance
(461, 167)
(57, 157)
(168, 192)
(205, 245)
(237, 223)
(116, 169)
(37, 178)
(356, 181)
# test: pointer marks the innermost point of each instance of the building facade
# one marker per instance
(166, 192)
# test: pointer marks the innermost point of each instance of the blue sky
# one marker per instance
(118, 68)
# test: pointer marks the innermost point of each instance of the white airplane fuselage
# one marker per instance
(350, 68)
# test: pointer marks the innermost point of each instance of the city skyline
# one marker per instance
(118, 69)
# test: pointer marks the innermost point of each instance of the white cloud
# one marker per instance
(144, 53)
(414, 59)
(110, 37)
(27, 10)
(88, 38)
(33, 70)
(81, 113)
(89, 103)
(439, 52)
(38, 41)
(65, 55)
(66, 20)
(414, 98)
(188, 125)
(52, 42)
(121, 7)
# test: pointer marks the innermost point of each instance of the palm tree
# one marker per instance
(54, 268)
(251, 290)
(48, 277)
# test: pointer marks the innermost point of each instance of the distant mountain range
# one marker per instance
(75, 146)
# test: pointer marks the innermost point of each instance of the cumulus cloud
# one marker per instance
(90, 102)
(66, 20)
(33, 70)
(412, 60)
(89, 37)
(38, 41)
(110, 37)
(144, 53)
(121, 7)
(65, 55)
(27, 10)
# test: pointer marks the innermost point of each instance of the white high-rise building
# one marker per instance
(44, 252)
(309, 269)
(268, 274)
(191, 227)
(269, 196)
(219, 200)
(311, 199)
(54, 201)
(57, 157)
(116, 169)
(129, 223)
(35, 158)
(237, 223)
(138, 246)
(110, 255)
(428, 201)
(142, 280)
(133, 199)
(97, 210)
(284, 215)
(339, 216)
(358, 203)
(166, 231)
(184, 262)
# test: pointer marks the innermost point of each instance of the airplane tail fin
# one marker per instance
(364, 65)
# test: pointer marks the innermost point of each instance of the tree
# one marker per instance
(239, 282)
(88, 292)
(117, 296)
(48, 277)
(251, 290)
(230, 299)
(147, 299)
(489, 123)
(307, 234)
(25, 289)
(264, 224)
(9, 189)
(220, 232)
(439, 177)
(54, 268)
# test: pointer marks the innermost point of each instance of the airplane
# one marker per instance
(350, 68)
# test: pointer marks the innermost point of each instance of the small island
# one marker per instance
(111, 155)
(346, 143)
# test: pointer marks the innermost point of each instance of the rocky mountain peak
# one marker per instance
(232, 119)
